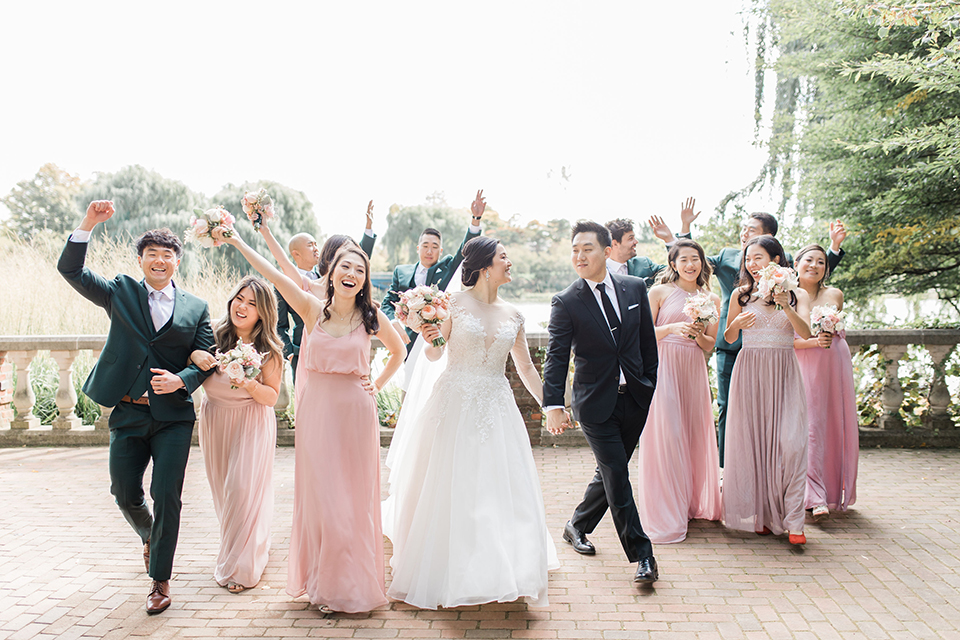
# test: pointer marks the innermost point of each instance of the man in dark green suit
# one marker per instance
(431, 268)
(144, 373)
(306, 254)
(726, 267)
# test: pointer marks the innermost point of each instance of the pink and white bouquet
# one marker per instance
(700, 308)
(423, 305)
(776, 279)
(243, 362)
(204, 222)
(257, 205)
(826, 319)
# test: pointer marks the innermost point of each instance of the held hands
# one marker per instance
(165, 382)
(477, 207)
(558, 420)
(824, 339)
(203, 359)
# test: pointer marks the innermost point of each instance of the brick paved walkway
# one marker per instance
(70, 566)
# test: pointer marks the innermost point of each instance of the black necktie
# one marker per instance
(612, 319)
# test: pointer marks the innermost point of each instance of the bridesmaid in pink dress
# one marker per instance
(238, 435)
(766, 448)
(679, 478)
(336, 546)
(833, 450)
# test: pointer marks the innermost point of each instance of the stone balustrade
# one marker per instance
(67, 429)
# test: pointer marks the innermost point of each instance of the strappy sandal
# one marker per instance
(324, 609)
(234, 587)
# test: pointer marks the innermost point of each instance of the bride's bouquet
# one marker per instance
(257, 205)
(776, 279)
(243, 362)
(700, 308)
(204, 222)
(826, 319)
(423, 305)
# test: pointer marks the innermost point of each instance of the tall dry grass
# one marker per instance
(36, 300)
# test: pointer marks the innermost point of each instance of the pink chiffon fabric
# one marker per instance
(238, 438)
(336, 546)
(833, 450)
(679, 477)
(765, 475)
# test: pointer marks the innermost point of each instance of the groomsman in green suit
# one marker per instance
(431, 268)
(144, 373)
(305, 254)
(726, 267)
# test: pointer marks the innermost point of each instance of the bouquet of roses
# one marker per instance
(423, 305)
(240, 363)
(776, 279)
(700, 308)
(826, 319)
(257, 205)
(204, 222)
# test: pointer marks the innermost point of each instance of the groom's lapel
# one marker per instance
(593, 308)
(621, 301)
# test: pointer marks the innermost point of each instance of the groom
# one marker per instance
(605, 319)
(143, 372)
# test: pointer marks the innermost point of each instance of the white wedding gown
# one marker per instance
(465, 512)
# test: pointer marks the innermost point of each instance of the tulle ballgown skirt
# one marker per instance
(833, 450)
(238, 442)
(679, 474)
(465, 513)
(765, 471)
(336, 545)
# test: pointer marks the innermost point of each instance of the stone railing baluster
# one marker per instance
(939, 396)
(23, 397)
(66, 394)
(892, 395)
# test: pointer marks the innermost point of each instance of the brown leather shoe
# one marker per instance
(159, 598)
(146, 556)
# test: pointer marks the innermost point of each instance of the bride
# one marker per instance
(465, 513)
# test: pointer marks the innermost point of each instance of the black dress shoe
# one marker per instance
(578, 540)
(647, 571)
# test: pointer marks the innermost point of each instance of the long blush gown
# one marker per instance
(679, 477)
(336, 546)
(833, 450)
(765, 475)
(465, 512)
(238, 438)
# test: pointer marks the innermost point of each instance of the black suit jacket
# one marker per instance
(576, 322)
(133, 345)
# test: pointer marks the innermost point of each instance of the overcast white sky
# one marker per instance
(349, 101)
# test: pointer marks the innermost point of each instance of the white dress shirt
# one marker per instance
(619, 268)
(420, 275)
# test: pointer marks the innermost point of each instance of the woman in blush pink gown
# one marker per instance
(679, 478)
(764, 478)
(238, 435)
(833, 450)
(336, 546)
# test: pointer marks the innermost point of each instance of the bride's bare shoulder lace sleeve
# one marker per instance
(524, 363)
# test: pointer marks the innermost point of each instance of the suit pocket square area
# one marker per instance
(633, 306)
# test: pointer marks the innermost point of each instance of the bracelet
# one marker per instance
(476, 217)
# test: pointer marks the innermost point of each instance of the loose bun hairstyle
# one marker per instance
(477, 254)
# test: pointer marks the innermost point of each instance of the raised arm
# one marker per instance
(286, 265)
(368, 239)
(89, 284)
(306, 305)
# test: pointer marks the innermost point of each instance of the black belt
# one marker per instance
(622, 389)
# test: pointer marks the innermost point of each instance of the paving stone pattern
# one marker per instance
(70, 567)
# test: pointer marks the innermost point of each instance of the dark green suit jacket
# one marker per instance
(439, 274)
(133, 345)
(291, 343)
(726, 267)
(643, 267)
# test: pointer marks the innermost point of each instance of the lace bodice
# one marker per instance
(478, 349)
(772, 330)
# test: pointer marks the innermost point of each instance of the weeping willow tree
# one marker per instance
(865, 127)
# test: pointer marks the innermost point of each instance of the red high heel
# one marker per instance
(797, 538)
(764, 532)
